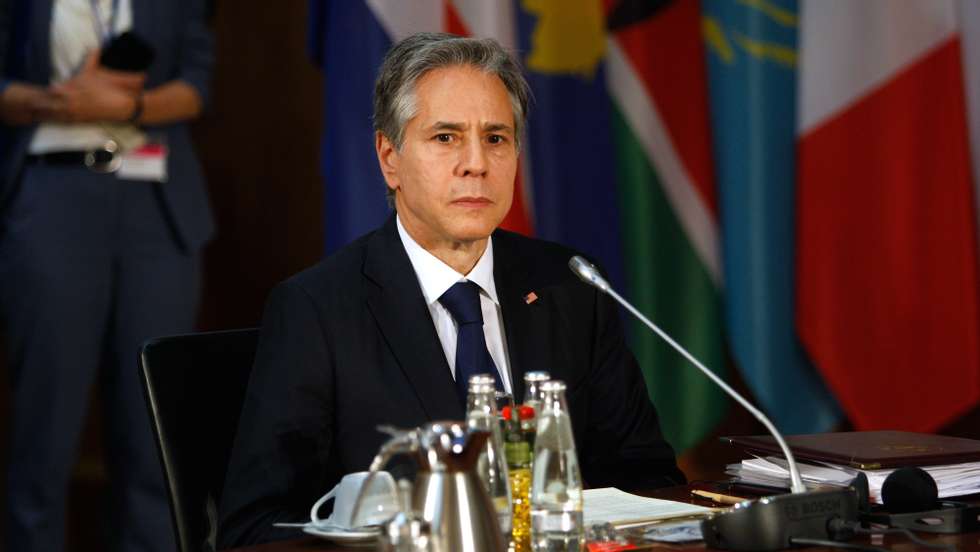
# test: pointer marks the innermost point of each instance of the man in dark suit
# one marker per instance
(376, 333)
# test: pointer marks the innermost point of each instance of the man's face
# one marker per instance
(454, 175)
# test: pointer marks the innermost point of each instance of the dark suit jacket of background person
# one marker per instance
(25, 55)
(349, 344)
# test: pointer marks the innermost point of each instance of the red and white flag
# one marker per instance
(888, 303)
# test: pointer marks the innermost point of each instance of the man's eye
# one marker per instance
(495, 139)
(444, 138)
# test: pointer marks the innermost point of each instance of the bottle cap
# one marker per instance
(482, 383)
(538, 376)
(552, 386)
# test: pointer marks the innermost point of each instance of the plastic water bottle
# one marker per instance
(481, 414)
(556, 482)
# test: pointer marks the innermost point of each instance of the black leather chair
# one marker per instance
(195, 386)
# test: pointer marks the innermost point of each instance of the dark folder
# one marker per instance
(869, 450)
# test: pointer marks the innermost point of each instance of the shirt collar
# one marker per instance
(436, 277)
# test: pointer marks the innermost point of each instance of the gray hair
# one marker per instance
(413, 57)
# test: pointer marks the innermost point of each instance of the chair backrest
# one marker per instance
(195, 386)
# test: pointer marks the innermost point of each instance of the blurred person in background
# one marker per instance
(103, 213)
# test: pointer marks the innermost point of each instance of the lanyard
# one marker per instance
(100, 27)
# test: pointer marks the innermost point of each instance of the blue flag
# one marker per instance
(751, 50)
(348, 43)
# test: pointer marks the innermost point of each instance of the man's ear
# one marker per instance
(387, 159)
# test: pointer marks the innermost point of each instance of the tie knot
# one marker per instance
(463, 302)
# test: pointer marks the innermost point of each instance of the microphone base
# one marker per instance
(946, 518)
(771, 522)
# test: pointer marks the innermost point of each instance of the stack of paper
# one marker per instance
(610, 505)
(952, 479)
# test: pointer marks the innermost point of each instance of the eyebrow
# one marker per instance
(444, 125)
(497, 127)
(460, 127)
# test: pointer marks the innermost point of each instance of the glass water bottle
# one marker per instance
(532, 388)
(532, 400)
(556, 483)
(481, 414)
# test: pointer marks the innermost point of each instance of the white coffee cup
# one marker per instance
(379, 503)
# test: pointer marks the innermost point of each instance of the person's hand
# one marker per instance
(25, 104)
(95, 94)
(126, 80)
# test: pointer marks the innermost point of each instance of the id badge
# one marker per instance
(147, 162)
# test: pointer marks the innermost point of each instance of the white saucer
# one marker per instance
(342, 536)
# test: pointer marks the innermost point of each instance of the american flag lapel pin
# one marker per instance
(530, 298)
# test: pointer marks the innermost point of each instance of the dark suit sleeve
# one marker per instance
(196, 50)
(624, 445)
(277, 466)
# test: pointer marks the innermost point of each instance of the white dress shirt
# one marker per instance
(435, 277)
(75, 33)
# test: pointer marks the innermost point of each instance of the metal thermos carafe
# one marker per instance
(456, 512)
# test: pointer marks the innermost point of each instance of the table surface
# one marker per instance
(967, 542)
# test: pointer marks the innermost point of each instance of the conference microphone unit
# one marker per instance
(777, 522)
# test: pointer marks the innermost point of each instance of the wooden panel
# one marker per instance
(260, 147)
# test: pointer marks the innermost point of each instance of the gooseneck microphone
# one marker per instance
(590, 275)
(770, 523)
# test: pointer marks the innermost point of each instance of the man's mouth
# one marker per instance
(471, 201)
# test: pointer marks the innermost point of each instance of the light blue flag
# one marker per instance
(751, 49)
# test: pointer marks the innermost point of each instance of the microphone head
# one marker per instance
(909, 490)
(588, 273)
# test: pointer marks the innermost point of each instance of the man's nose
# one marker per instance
(473, 159)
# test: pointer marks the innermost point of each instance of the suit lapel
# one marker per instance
(525, 323)
(143, 15)
(39, 64)
(397, 304)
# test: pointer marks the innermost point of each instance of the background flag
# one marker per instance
(665, 182)
(752, 62)
(887, 273)
(348, 42)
